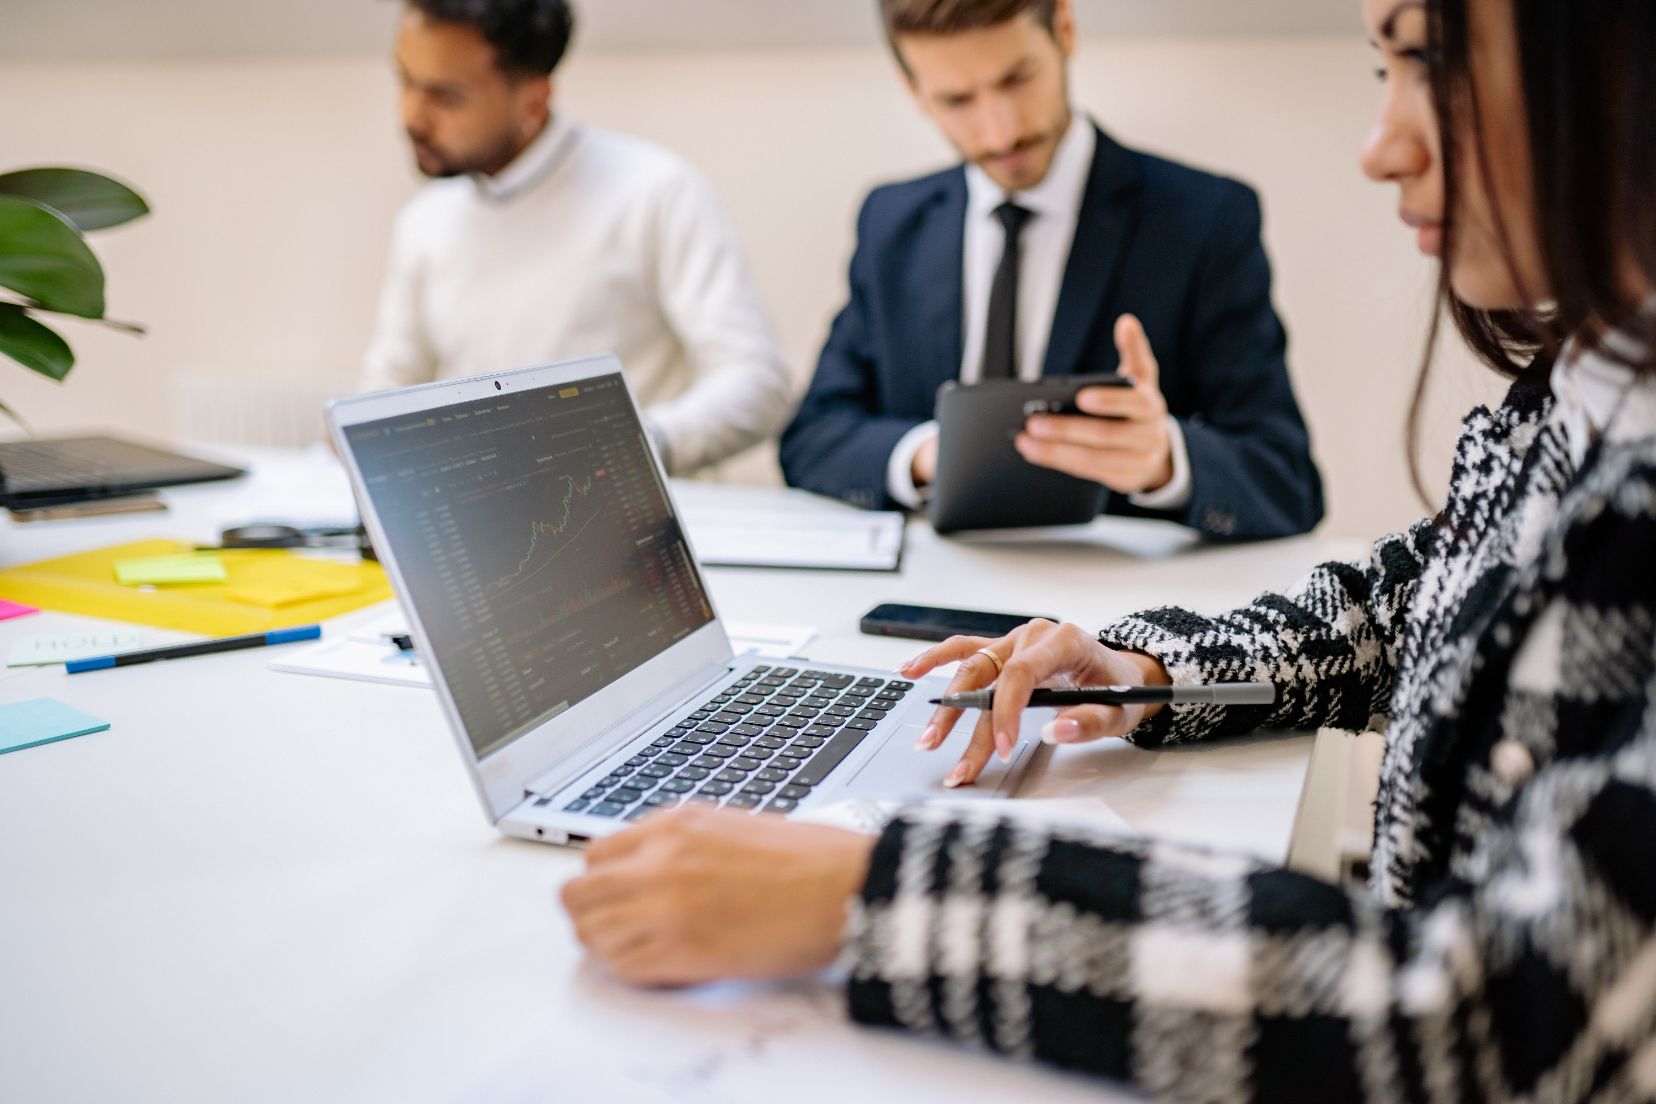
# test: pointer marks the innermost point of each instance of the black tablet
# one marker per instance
(982, 482)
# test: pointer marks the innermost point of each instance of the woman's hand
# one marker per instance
(699, 894)
(1037, 654)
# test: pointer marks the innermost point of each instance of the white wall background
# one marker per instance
(274, 180)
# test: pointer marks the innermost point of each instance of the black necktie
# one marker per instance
(1000, 348)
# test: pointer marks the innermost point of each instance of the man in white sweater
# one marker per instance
(539, 239)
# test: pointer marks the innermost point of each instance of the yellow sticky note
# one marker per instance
(158, 570)
(85, 584)
(275, 581)
(276, 593)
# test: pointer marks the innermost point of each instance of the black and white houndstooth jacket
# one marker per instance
(1506, 948)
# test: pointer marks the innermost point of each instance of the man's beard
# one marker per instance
(1048, 138)
(1028, 142)
(438, 165)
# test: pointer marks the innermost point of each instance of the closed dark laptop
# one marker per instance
(50, 472)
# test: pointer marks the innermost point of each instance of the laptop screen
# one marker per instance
(537, 545)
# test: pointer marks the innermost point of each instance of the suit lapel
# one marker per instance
(935, 291)
(1106, 221)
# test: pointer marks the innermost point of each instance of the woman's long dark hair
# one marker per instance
(1587, 70)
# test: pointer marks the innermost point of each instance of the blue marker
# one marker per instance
(200, 647)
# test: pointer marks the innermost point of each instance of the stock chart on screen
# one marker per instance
(535, 540)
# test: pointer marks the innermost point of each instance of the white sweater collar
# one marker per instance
(536, 162)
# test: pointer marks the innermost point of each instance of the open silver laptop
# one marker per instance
(551, 588)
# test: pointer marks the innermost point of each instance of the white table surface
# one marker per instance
(260, 886)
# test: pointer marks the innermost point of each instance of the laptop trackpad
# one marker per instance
(898, 771)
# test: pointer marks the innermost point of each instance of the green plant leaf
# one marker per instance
(89, 200)
(33, 345)
(44, 258)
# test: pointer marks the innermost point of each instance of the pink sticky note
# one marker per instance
(9, 610)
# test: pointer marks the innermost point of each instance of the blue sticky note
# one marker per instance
(40, 721)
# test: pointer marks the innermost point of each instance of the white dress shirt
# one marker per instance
(1055, 207)
(588, 242)
(1593, 393)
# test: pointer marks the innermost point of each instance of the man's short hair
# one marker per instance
(529, 36)
(946, 17)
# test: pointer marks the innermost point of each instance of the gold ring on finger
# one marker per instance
(999, 663)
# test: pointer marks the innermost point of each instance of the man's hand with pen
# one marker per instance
(1039, 654)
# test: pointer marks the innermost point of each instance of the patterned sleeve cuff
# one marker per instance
(978, 928)
(940, 939)
(866, 932)
(1175, 724)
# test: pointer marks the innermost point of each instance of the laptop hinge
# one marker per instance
(628, 727)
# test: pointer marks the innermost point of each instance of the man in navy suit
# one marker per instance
(1055, 251)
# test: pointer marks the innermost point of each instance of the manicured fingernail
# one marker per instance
(927, 740)
(956, 776)
(1062, 731)
(1003, 746)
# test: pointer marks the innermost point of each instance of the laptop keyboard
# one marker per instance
(761, 744)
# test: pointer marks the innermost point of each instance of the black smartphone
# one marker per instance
(936, 623)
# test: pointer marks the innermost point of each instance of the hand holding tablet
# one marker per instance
(982, 482)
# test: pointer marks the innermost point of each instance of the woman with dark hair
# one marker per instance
(1506, 946)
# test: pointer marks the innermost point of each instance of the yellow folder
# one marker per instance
(266, 589)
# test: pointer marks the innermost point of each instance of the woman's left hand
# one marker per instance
(696, 894)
